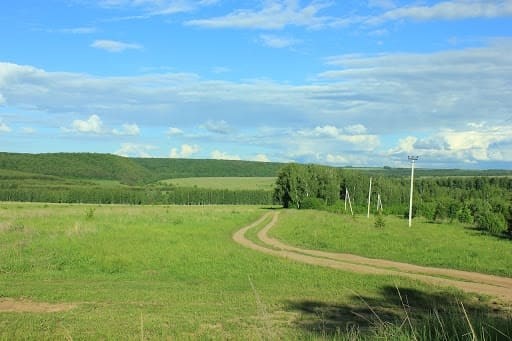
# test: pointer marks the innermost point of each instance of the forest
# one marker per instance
(482, 198)
(485, 201)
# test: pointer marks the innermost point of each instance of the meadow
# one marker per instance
(173, 272)
(442, 244)
(229, 183)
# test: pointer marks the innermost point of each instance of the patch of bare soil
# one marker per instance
(27, 306)
(467, 281)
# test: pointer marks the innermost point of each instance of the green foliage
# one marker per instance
(230, 183)
(89, 212)
(464, 215)
(490, 221)
(313, 203)
(297, 183)
(379, 221)
(129, 170)
(162, 169)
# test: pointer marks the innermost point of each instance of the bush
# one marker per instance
(464, 215)
(379, 221)
(313, 203)
(492, 222)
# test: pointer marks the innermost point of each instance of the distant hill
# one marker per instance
(190, 168)
(128, 170)
(93, 166)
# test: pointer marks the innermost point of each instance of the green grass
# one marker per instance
(434, 244)
(173, 272)
(231, 183)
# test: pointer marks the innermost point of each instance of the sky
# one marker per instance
(342, 83)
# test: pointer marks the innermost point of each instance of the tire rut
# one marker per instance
(473, 282)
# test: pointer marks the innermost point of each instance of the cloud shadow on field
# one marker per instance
(398, 312)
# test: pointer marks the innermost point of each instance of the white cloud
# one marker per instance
(354, 134)
(483, 143)
(218, 127)
(28, 130)
(277, 41)
(275, 14)
(356, 129)
(173, 131)
(447, 10)
(4, 128)
(185, 151)
(218, 155)
(127, 129)
(92, 125)
(261, 158)
(135, 150)
(114, 46)
(389, 95)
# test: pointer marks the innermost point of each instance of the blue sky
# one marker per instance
(360, 83)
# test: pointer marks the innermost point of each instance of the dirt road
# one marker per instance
(496, 286)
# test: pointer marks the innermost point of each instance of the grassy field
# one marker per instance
(231, 183)
(173, 272)
(435, 244)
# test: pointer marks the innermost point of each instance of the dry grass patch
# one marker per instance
(28, 306)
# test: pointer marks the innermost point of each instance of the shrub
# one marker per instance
(89, 213)
(464, 215)
(379, 221)
(313, 203)
(492, 222)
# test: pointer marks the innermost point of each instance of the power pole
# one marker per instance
(413, 159)
(369, 198)
(347, 197)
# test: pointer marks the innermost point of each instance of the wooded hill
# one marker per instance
(90, 166)
(104, 179)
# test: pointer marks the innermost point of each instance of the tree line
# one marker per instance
(483, 201)
(146, 195)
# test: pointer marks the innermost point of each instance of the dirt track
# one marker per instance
(496, 286)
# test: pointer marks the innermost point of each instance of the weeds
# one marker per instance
(89, 213)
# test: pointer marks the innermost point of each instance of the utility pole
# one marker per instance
(413, 159)
(369, 198)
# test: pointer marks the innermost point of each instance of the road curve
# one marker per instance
(473, 282)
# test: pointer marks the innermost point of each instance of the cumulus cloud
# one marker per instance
(28, 130)
(478, 144)
(185, 151)
(354, 134)
(127, 129)
(363, 98)
(135, 150)
(218, 155)
(114, 46)
(92, 125)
